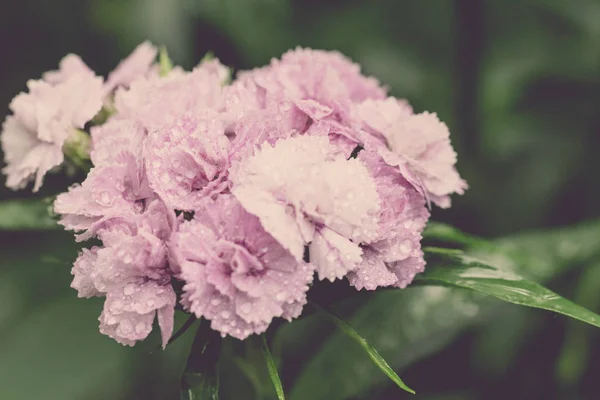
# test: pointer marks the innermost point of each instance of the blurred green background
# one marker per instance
(518, 82)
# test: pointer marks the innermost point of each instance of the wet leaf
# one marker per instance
(371, 351)
(466, 272)
(407, 325)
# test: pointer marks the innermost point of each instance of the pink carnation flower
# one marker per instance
(188, 161)
(132, 272)
(70, 66)
(320, 83)
(158, 102)
(43, 119)
(137, 65)
(419, 144)
(116, 187)
(304, 192)
(236, 274)
(395, 256)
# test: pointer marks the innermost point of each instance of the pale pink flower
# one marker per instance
(303, 191)
(188, 160)
(236, 274)
(323, 84)
(419, 144)
(137, 65)
(132, 271)
(158, 102)
(70, 66)
(43, 119)
(395, 256)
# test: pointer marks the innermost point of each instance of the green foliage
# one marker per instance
(273, 374)
(165, 63)
(465, 272)
(407, 325)
(527, 145)
(200, 379)
(371, 352)
(26, 214)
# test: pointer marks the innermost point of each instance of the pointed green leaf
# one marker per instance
(272, 369)
(466, 272)
(371, 351)
(26, 214)
(165, 63)
(200, 379)
(182, 330)
(410, 324)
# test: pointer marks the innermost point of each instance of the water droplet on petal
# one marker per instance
(225, 314)
(246, 307)
(140, 328)
(104, 198)
(116, 307)
(129, 289)
(126, 326)
(215, 302)
(406, 246)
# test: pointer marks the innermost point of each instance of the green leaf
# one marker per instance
(57, 345)
(466, 272)
(448, 233)
(200, 379)
(410, 324)
(372, 352)
(272, 369)
(183, 329)
(165, 63)
(575, 354)
(26, 214)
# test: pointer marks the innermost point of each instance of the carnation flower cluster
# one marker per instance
(231, 198)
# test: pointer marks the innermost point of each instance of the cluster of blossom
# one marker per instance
(243, 191)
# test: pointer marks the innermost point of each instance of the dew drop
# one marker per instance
(246, 307)
(105, 198)
(225, 314)
(126, 326)
(280, 296)
(129, 289)
(406, 246)
(215, 302)
(127, 258)
(116, 306)
(140, 328)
